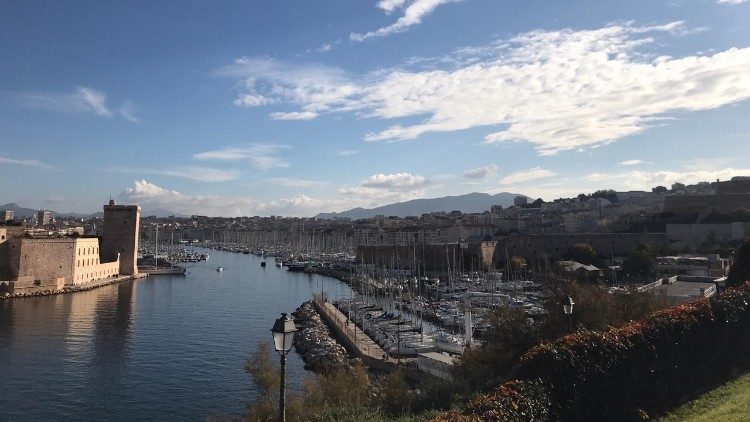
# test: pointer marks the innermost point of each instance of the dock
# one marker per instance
(353, 338)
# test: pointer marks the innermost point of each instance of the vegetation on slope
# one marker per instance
(729, 403)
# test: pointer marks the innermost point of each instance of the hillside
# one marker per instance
(730, 402)
(20, 212)
(469, 203)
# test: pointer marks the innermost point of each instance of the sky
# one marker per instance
(292, 107)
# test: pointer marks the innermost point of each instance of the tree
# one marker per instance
(740, 271)
(660, 189)
(516, 263)
(641, 261)
(537, 203)
(583, 253)
(608, 194)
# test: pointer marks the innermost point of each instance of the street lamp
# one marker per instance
(568, 309)
(283, 334)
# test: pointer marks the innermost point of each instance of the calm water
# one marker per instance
(160, 348)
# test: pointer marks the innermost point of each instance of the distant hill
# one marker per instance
(21, 212)
(469, 203)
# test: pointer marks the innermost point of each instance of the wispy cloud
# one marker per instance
(346, 152)
(557, 90)
(197, 173)
(83, 100)
(731, 1)
(631, 162)
(413, 14)
(294, 115)
(535, 173)
(296, 183)
(24, 162)
(261, 156)
(127, 110)
(481, 172)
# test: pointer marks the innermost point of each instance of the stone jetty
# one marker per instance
(315, 343)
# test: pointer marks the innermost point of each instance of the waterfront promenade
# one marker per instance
(359, 343)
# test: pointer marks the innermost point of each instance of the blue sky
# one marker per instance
(296, 107)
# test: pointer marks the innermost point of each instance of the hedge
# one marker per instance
(625, 374)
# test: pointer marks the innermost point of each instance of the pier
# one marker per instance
(355, 340)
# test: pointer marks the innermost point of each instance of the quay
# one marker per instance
(353, 338)
(71, 288)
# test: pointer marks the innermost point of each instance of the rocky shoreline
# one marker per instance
(315, 342)
(67, 289)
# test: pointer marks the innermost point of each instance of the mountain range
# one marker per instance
(21, 212)
(470, 203)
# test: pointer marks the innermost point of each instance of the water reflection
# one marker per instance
(154, 349)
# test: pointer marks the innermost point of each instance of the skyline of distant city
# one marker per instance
(294, 110)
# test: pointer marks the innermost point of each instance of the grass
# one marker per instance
(730, 403)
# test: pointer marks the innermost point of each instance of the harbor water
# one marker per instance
(160, 348)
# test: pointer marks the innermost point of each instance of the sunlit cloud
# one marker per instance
(413, 13)
(481, 172)
(556, 90)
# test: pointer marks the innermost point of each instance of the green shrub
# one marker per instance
(625, 374)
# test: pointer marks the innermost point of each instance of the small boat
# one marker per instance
(263, 264)
(279, 264)
(299, 266)
(176, 270)
(219, 269)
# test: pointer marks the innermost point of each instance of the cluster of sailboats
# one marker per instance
(166, 263)
(410, 315)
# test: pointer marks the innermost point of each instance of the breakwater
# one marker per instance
(315, 342)
(353, 338)
(70, 289)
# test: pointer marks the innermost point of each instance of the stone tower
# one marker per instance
(120, 233)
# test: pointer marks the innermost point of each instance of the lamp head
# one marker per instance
(568, 306)
(283, 334)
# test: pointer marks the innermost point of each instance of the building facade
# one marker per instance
(120, 233)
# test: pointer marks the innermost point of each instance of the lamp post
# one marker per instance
(283, 335)
(568, 309)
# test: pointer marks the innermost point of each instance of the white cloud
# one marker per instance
(413, 14)
(313, 87)
(645, 180)
(83, 100)
(95, 100)
(151, 196)
(557, 90)
(526, 176)
(731, 1)
(390, 5)
(198, 173)
(382, 188)
(296, 183)
(631, 162)
(24, 162)
(398, 182)
(127, 110)
(481, 172)
(252, 100)
(346, 152)
(261, 156)
(294, 115)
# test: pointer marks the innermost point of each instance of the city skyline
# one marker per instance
(300, 109)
